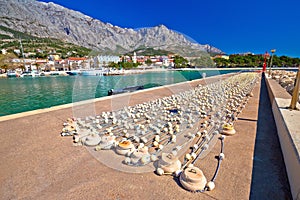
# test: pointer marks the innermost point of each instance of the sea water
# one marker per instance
(25, 94)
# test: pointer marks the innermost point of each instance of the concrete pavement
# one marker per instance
(37, 163)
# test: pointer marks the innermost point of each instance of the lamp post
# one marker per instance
(272, 52)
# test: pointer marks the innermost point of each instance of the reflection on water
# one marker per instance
(24, 94)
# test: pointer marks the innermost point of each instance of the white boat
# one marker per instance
(12, 74)
(30, 74)
(54, 73)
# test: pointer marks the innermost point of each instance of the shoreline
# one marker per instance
(67, 105)
(95, 100)
(136, 71)
(128, 72)
(141, 70)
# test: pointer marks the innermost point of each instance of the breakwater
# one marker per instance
(286, 79)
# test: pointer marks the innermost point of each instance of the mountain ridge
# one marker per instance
(51, 20)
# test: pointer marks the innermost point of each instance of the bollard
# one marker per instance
(296, 91)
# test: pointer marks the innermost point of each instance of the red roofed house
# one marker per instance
(75, 61)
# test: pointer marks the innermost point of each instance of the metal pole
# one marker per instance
(295, 96)
(272, 51)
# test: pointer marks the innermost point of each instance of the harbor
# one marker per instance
(104, 100)
(25, 94)
(39, 163)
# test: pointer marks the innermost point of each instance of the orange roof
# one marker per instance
(76, 59)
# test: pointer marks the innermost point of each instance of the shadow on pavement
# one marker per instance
(269, 177)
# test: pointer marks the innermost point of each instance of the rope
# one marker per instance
(220, 158)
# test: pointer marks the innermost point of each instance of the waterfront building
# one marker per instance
(103, 60)
(74, 61)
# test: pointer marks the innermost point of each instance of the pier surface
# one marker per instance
(37, 163)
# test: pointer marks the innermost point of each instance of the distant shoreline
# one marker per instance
(141, 70)
(135, 71)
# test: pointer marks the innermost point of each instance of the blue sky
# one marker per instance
(234, 26)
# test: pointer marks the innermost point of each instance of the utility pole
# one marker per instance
(271, 62)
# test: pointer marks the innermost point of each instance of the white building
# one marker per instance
(3, 51)
(105, 60)
(17, 51)
(134, 59)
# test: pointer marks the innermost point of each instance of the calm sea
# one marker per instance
(25, 94)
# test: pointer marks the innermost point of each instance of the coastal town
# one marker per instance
(198, 101)
(108, 64)
(27, 64)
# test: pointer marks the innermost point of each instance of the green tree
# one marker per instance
(180, 61)
(113, 65)
(221, 62)
(129, 65)
(257, 60)
(148, 62)
(203, 62)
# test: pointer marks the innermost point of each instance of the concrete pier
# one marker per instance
(288, 128)
(37, 163)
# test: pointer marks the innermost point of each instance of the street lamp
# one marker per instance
(272, 51)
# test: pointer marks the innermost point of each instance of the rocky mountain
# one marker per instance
(54, 21)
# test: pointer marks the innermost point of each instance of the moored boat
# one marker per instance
(29, 74)
(12, 74)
